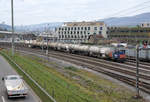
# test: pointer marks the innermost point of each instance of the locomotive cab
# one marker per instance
(119, 55)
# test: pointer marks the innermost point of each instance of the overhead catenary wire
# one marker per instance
(130, 12)
(135, 11)
(128, 9)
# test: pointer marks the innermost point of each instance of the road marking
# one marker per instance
(3, 99)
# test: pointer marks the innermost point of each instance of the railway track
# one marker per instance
(119, 71)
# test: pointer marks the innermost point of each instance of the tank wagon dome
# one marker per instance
(84, 48)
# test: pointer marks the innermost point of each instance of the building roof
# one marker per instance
(84, 23)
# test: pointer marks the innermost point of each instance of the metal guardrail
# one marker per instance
(42, 89)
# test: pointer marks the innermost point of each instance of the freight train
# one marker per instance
(144, 54)
(105, 52)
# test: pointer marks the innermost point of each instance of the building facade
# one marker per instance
(131, 35)
(77, 32)
(50, 36)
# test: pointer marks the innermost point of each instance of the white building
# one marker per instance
(80, 31)
(50, 36)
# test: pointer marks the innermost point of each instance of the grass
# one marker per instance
(70, 84)
(71, 68)
(40, 93)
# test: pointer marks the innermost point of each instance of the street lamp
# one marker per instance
(12, 19)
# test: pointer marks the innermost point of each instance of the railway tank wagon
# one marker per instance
(89, 50)
(74, 48)
(84, 49)
(94, 51)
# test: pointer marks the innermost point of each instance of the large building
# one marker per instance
(77, 32)
(129, 34)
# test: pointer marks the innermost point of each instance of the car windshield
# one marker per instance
(12, 78)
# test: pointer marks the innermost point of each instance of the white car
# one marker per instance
(15, 86)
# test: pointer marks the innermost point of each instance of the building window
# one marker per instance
(64, 32)
(107, 32)
(71, 32)
(78, 28)
(89, 28)
(101, 28)
(65, 28)
(77, 32)
(68, 32)
(74, 32)
(84, 32)
(58, 32)
(81, 32)
(59, 36)
(71, 28)
(95, 28)
(81, 28)
(100, 32)
(85, 28)
(62, 36)
(75, 36)
(56, 29)
(62, 28)
(75, 28)
(59, 28)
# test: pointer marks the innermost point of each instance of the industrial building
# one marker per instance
(129, 34)
(77, 32)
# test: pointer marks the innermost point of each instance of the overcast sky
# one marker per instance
(40, 11)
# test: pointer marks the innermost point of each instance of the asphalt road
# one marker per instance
(6, 69)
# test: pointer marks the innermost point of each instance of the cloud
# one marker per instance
(38, 11)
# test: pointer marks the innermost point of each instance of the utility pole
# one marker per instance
(47, 45)
(42, 44)
(137, 71)
(12, 19)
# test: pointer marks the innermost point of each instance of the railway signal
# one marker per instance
(137, 67)
(137, 71)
